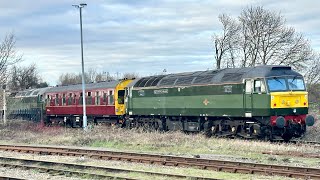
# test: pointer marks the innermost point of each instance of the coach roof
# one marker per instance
(89, 86)
(229, 75)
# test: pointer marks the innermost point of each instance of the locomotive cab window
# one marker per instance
(259, 86)
(121, 96)
(296, 83)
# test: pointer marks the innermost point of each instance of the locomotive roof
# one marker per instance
(89, 86)
(229, 75)
(32, 92)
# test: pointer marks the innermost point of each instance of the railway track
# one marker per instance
(69, 169)
(209, 164)
(9, 178)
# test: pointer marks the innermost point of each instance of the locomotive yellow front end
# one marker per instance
(289, 105)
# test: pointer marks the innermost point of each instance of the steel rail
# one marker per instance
(210, 164)
(9, 178)
(86, 167)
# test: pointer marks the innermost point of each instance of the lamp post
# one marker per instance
(4, 105)
(80, 6)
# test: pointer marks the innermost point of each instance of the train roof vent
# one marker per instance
(281, 68)
(231, 77)
(168, 81)
(185, 80)
(203, 79)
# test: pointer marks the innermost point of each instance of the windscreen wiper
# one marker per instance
(275, 78)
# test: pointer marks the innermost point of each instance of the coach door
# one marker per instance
(247, 100)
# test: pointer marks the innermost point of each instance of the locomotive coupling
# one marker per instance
(309, 120)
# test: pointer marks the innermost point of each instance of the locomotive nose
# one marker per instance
(309, 120)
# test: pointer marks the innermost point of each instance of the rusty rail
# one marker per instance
(46, 166)
(216, 165)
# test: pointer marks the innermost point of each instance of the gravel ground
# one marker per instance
(30, 174)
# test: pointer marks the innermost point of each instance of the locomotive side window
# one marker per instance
(259, 86)
(121, 96)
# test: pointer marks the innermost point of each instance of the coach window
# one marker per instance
(57, 100)
(63, 99)
(48, 100)
(70, 99)
(111, 101)
(89, 98)
(104, 98)
(259, 86)
(75, 99)
(80, 99)
(97, 98)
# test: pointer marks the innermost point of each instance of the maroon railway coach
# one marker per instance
(64, 103)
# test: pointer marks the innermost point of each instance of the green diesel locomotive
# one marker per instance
(255, 102)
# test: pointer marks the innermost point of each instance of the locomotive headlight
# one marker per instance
(272, 97)
(306, 96)
(294, 110)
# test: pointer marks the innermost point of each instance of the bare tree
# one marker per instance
(25, 77)
(264, 39)
(132, 75)
(267, 40)
(225, 42)
(312, 77)
(90, 76)
(8, 56)
(104, 76)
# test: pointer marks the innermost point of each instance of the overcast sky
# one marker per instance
(138, 36)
